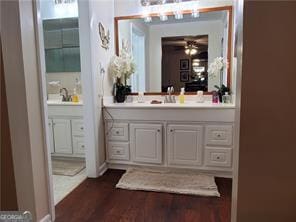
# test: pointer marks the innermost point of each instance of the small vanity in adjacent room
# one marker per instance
(170, 54)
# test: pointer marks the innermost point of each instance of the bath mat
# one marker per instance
(168, 181)
(67, 167)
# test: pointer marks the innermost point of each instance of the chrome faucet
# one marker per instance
(66, 97)
(170, 98)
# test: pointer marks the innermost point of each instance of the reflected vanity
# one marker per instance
(174, 53)
(177, 52)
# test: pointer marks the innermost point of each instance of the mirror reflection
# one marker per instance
(177, 52)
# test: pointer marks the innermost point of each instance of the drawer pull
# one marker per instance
(117, 132)
(172, 130)
(158, 130)
(117, 151)
(81, 128)
(82, 146)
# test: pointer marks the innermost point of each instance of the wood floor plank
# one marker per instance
(99, 200)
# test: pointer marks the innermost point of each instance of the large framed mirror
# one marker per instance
(169, 51)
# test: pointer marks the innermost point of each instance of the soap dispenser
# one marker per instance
(75, 97)
(182, 96)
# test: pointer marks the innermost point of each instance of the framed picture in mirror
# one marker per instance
(184, 64)
(184, 76)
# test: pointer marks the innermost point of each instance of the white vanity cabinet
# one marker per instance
(66, 130)
(184, 145)
(146, 143)
(185, 138)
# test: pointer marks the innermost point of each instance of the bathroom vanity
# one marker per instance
(192, 53)
(66, 130)
(186, 136)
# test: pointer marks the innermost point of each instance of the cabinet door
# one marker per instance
(78, 145)
(146, 143)
(51, 139)
(184, 145)
(62, 136)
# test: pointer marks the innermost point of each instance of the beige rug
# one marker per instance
(67, 167)
(170, 182)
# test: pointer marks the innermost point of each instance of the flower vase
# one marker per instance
(119, 91)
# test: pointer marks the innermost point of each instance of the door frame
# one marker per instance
(91, 153)
(137, 30)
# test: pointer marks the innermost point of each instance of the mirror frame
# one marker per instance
(229, 9)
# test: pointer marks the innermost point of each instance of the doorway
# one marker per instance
(61, 56)
(138, 81)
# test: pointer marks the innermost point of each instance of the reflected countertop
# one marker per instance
(60, 103)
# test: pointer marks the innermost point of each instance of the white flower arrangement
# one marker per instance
(215, 67)
(122, 66)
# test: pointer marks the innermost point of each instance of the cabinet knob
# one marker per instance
(82, 146)
(117, 132)
(171, 130)
(158, 130)
(81, 128)
(117, 151)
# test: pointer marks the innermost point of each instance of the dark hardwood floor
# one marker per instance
(99, 200)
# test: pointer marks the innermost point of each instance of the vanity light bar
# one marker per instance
(59, 2)
(162, 8)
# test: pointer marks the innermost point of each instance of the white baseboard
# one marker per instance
(47, 218)
(102, 169)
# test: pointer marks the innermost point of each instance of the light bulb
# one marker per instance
(178, 15)
(148, 19)
(163, 17)
(193, 52)
(195, 13)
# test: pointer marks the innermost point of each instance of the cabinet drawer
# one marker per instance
(219, 135)
(78, 145)
(77, 127)
(218, 157)
(118, 151)
(117, 131)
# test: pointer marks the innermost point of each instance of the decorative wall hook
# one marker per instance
(105, 37)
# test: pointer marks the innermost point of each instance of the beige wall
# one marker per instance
(8, 190)
(23, 98)
(267, 166)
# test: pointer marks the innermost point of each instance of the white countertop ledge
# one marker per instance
(189, 105)
(61, 103)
